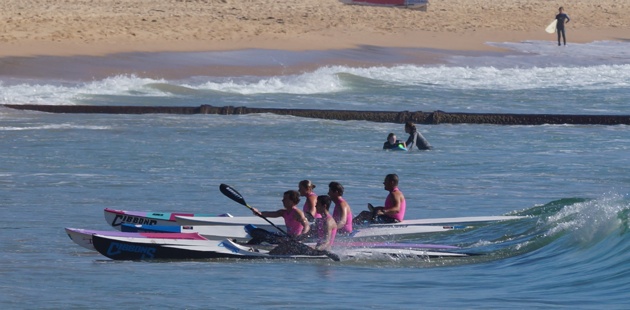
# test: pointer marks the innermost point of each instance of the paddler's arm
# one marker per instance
(411, 141)
(325, 244)
(302, 219)
(343, 219)
(268, 213)
(312, 202)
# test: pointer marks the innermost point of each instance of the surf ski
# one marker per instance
(83, 237)
(131, 248)
(115, 217)
(254, 220)
(217, 232)
(206, 232)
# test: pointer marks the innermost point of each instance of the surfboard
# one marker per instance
(399, 147)
(552, 27)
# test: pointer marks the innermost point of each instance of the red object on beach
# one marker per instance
(390, 2)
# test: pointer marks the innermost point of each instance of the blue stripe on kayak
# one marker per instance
(150, 228)
(229, 246)
(455, 226)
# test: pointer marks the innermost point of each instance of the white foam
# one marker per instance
(534, 65)
(38, 92)
(327, 80)
(591, 220)
(53, 127)
(323, 80)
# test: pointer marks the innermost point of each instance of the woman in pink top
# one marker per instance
(325, 226)
(305, 187)
(294, 218)
(394, 209)
(342, 213)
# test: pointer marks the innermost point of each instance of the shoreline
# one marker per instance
(248, 62)
(178, 65)
(183, 63)
(465, 41)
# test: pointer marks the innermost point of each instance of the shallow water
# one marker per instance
(60, 170)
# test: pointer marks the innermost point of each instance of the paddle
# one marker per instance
(371, 207)
(233, 194)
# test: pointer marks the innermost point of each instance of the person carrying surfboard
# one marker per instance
(562, 18)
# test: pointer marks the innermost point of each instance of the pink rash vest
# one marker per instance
(346, 228)
(389, 203)
(294, 227)
(305, 207)
(321, 232)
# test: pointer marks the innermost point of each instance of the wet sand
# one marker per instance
(179, 65)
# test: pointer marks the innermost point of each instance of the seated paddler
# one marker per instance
(392, 212)
(294, 220)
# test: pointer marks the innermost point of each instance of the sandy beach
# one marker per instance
(89, 27)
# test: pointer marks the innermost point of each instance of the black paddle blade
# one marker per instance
(231, 193)
(333, 256)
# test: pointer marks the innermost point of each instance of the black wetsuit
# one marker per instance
(389, 146)
(562, 19)
(415, 138)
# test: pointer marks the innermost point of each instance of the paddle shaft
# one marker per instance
(231, 193)
(268, 221)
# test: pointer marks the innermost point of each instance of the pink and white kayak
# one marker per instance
(218, 232)
(261, 223)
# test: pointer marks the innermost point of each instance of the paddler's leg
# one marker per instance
(363, 217)
(260, 235)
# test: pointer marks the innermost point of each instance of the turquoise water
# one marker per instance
(60, 170)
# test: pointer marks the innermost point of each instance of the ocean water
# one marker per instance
(62, 170)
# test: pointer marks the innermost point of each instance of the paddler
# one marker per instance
(325, 226)
(306, 187)
(394, 209)
(325, 232)
(342, 212)
(294, 220)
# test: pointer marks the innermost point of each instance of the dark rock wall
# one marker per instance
(419, 117)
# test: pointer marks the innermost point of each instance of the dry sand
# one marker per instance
(97, 27)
